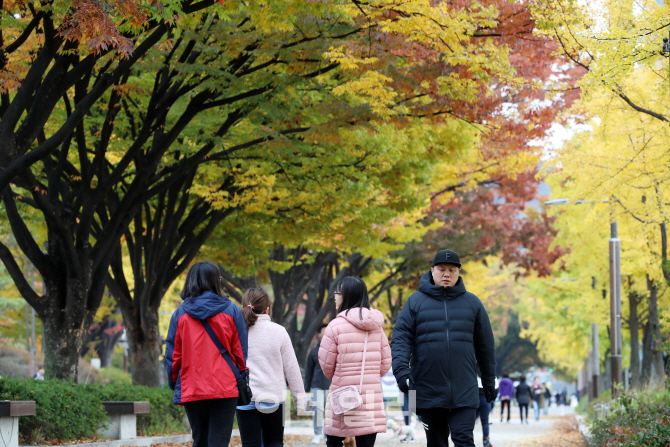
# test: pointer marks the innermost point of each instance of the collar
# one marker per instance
(263, 317)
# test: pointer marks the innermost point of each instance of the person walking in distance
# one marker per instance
(202, 379)
(318, 384)
(354, 352)
(272, 363)
(538, 396)
(442, 333)
(506, 395)
(523, 396)
(547, 397)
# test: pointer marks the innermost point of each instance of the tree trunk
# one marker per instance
(145, 344)
(65, 329)
(655, 348)
(645, 374)
(62, 342)
(634, 327)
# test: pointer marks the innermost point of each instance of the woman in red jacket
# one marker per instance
(197, 372)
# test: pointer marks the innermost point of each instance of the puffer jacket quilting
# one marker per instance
(440, 336)
(341, 358)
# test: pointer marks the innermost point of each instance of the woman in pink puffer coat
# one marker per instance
(341, 358)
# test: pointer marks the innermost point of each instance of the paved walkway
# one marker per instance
(557, 429)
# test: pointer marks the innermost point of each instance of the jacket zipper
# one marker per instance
(446, 319)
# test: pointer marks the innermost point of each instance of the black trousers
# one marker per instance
(503, 404)
(262, 428)
(521, 407)
(440, 422)
(211, 421)
(361, 441)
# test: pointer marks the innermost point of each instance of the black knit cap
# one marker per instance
(446, 257)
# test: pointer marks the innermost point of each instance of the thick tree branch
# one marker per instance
(19, 280)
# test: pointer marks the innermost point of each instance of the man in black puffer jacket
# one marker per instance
(442, 332)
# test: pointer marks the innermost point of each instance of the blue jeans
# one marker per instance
(319, 400)
(536, 410)
(483, 412)
(405, 409)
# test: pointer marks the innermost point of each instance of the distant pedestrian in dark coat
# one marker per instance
(523, 397)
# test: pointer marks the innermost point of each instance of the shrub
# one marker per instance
(164, 418)
(636, 419)
(68, 411)
(64, 412)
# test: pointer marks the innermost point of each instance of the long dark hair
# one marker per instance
(202, 277)
(354, 294)
(254, 303)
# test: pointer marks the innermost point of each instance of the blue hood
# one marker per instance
(206, 305)
(428, 287)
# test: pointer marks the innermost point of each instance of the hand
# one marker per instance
(404, 384)
(490, 392)
(300, 401)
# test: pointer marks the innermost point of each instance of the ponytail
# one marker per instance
(249, 317)
(254, 303)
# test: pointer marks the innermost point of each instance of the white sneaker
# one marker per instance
(317, 439)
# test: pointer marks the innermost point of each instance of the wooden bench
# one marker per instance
(10, 411)
(123, 418)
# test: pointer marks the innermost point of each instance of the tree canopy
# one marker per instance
(132, 133)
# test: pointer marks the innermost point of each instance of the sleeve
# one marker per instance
(292, 373)
(328, 352)
(515, 392)
(386, 355)
(309, 369)
(485, 346)
(239, 340)
(173, 351)
(402, 341)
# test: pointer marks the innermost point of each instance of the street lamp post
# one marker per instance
(665, 51)
(615, 293)
(615, 307)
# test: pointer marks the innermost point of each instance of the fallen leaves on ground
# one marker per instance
(565, 434)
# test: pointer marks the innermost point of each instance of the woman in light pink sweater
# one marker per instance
(341, 358)
(271, 362)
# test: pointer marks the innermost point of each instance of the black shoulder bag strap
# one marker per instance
(222, 350)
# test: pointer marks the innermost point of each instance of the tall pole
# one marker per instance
(616, 341)
(28, 344)
(586, 391)
(28, 341)
(33, 350)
